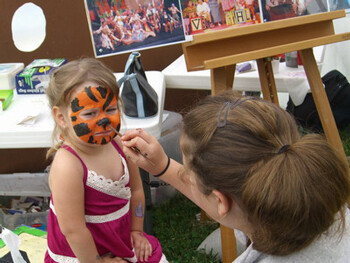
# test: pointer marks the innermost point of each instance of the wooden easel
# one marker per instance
(220, 52)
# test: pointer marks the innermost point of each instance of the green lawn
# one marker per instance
(345, 136)
(180, 233)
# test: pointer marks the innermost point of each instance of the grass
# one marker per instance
(180, 233)
(345, 137)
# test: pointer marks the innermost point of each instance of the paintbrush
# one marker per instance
(134, 148)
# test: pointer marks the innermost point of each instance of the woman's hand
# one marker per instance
(156, 159)
(143, 248)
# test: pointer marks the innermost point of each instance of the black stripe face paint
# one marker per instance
(92, 111)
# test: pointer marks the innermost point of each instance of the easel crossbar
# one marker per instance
(267, 52)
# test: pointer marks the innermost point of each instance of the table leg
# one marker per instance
(321, 101)
(228, 244)
(267, 80)
(222, 78)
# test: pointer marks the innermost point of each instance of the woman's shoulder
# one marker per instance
(332, 246)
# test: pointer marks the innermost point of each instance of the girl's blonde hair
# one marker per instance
(290, 197)
(65, 79)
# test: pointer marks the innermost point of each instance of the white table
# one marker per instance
(38, 134)
(288, 80)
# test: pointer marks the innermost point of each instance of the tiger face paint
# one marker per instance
(92, 110)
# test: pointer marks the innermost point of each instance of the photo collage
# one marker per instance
(120, 26)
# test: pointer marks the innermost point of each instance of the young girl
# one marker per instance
(248, 167)
(97, 203)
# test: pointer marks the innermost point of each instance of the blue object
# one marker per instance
(244, 67)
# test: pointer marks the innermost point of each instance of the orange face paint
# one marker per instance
(92, 110)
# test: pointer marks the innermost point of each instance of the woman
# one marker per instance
(247, 166)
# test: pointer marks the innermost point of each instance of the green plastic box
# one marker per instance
(6, 98)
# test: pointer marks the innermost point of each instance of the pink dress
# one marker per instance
(107, 216)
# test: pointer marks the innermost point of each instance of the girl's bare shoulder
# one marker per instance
(66, 164)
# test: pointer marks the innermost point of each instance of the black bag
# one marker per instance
(338, 92)
(139, 98)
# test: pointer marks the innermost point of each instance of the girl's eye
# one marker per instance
(112, 110)
(89, 114)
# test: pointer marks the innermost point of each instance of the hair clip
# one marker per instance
(222, 122)
(229, 105)
(283, 149)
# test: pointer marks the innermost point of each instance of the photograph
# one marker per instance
(281, 9)
(207, 15)
(339, 4)
(120, 26)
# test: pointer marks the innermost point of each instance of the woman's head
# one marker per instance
(77, 87)
(290, 187)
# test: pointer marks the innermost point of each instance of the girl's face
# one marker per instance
(92, 109)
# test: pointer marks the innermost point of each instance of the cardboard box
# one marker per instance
(8, 73)
(35, 77)
(6, 98)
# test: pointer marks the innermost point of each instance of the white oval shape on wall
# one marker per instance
(28, 27)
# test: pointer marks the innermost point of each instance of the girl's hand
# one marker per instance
(143, 248)
(148, 146)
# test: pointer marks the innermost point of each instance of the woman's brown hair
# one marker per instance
(291, 187)
(65, 79)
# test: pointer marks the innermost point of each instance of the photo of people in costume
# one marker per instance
(119, 26)
(281, 9)
(208, 15)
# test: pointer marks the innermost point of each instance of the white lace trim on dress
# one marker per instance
(66, 259)
(163, 259)
(102, 218)
(61, 259)
(107, 186)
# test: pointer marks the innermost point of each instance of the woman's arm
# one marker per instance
(175, 175)
(67, 187)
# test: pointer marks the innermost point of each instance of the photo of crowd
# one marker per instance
(119, 26)
(207, 15)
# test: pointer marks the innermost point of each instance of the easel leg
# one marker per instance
(267, 80)
(222, 78)
(228, 243)
(321, 100)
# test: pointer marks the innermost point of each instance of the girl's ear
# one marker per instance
(59, 117)
(224, 203)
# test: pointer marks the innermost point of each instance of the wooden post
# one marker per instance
(321, 101)
(222, 78)
(267, 80)
(228, 244)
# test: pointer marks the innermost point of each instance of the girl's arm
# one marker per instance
(137, 201)
(67, 187)
(142, 247)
